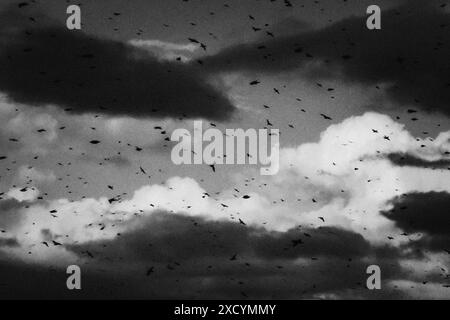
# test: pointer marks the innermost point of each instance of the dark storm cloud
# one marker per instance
(42, 62)
(324, 241)
(21, 281)
(412, 161)
(422, 212)
(170, 237)
(196, 258)
(425, 213)
(168, 255)
(24, 281)
(409, 54)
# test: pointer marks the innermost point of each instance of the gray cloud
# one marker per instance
(167, 255)
(425, 213)
(42, 62)
(8, 242)
(410, 160)
(195, 258)
(409, 54)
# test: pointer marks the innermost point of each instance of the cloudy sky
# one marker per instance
(364, 121)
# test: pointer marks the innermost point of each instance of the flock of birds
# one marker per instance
(9, 164)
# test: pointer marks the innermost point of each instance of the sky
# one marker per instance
(87, 178)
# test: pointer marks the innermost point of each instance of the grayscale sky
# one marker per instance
(364, 129)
